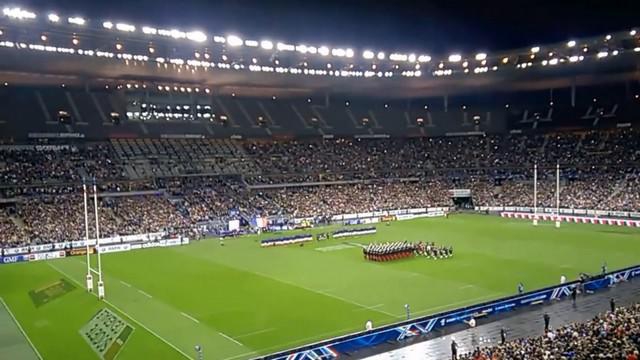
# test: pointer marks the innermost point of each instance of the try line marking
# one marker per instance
(123, 312)
(21, 329)
(145, 294)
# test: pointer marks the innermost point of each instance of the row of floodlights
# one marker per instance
(237, 41)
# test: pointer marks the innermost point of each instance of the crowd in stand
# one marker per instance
(613, 335)
(42, 182)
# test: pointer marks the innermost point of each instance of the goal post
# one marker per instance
(91, 270)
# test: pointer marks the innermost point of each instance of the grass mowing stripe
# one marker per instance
(21, 329)
(230, 338)
(124, 313)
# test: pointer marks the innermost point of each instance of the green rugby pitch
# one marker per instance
(239, 301)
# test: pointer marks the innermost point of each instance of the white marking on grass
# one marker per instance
(21, 329)
(466, 287)
(241, 355)
(124, 313)
(190, 317)
(230, 338)
(452, 305)
(370, 307)
(125, 284)
(145, 294)
(255, 333)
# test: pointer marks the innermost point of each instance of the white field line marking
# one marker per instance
(241, 355)
(466, 287)
(471, 301)
(255, 333)
(370, 307)
(348, 301)
(126, 314)
(21, 329)
(125, 284)
(230, 338)
(190, 317)
(145, 294)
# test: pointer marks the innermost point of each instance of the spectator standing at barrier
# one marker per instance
(603, 269)
(454, 349)
(503, 336)
(574, 293)
(408, 310)
(563, 279)
(612, 304)
(547, 319)
(520, 288)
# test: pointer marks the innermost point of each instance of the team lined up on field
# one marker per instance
(401, 249)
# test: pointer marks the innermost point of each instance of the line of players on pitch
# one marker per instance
(389, 251)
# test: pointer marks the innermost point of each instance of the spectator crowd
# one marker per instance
(613, 335)
(40, 184)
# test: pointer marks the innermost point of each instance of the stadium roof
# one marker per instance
(57, 48)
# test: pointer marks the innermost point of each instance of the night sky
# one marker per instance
(401, 25)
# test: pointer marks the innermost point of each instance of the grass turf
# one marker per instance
(241, 300)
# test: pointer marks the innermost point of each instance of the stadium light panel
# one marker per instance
(411, 58)
(251, 43)
(349, 53)
(636, 49)
(76, 20)
(107, 25)
(234, 40)
(266, 44)
(18, 13)
(380, 55)
(368, 54)
(481, 56)
(455, 58)
(633, 32)
(149, 30)
(608, 37)
(338, 52)
(571, 43)
(197, 36)
(285, 47)
(602, 54)
(54, 18)
(323, 50)
(535, 49)
(125, 27)
(424, 58)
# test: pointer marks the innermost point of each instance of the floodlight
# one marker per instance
(535, 49)
(76, 20)
(481, 56)
(571, 43)
(53, 18)
(455, 57)
(266, 44)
